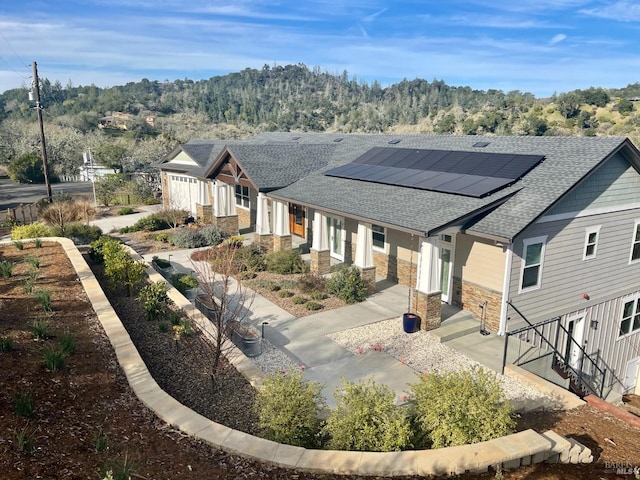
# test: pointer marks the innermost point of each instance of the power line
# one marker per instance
(13, 50)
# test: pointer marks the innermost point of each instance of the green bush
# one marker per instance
(80, 233)
(313, 306)
(347, 284)
(318, 296)
(18, 244)
(187, 238)
(251, 257)
(460, 408)
(288, 408)
(366, 419)
(33, 230)
(162, 237)
(298, 300)
(96, 247)
(53, 358)
(154, 299)
(150, 223)
(285, 262)
(285, 293)
(183, 282)
(212, 235)
(6, 268)
(126, 211)
(312, 281)
(120, 268)
(6, 344)
(23, 404)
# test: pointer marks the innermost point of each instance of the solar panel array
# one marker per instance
(473, 174)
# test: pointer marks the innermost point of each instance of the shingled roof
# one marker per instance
(503, 214)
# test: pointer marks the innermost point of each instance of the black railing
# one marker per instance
(593, 382)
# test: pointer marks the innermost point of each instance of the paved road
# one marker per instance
(13, 194)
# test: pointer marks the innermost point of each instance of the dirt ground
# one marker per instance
(85, 418)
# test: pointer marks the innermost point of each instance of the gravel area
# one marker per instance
(273, 360)
(423, 352)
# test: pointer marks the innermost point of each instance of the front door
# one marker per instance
(296, 219)
(631, 376)
(446, 259)
(335, 226)
(575, 339)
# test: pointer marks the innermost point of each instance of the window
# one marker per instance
(242, 196)
(532, 258)
(591, 242)
(379, 236)
(630, 317)
(635, 244)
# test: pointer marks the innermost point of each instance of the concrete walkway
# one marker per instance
(305, 342)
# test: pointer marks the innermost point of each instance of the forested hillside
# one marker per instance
(286, 98)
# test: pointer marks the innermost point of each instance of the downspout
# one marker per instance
(506, 281)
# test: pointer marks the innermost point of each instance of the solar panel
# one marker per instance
(475, 174)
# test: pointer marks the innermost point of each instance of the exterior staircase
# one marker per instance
(576, 384)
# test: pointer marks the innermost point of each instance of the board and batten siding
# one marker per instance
(479, 261)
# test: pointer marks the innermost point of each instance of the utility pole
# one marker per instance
(43, 145)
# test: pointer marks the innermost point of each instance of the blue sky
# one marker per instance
(539, 46)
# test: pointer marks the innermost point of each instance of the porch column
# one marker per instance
(224, 207)
(263, 225)
(204, 209)
(282, 237)
(427, 297)
(320, 253)
(364, 254)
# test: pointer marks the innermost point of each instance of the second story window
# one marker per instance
(532, 260)
(242, 196)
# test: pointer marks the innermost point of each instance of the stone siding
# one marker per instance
(227, 224)
(244, 218)
(428, 306)
(265, 241)
(368, 274)
(204, 213)
(320, 261)
(472, 297)
(282, 243)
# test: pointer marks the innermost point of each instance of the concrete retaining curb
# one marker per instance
(512, 451)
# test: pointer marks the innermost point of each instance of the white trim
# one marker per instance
(587, 233)
(587, 213)
(525, 243)
(506, 281)
(629, 298)
(385, 247)
(632, 260)
(242, 197)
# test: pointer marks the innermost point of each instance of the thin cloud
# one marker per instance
(373, 16)
(622, 11)
(557, 39)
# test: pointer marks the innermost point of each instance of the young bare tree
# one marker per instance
(225, 302)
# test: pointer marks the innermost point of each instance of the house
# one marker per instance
(537, 237)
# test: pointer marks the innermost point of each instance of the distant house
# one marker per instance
(90, 171)
(117, 120)
(535, 236)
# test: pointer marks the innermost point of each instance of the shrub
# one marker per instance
(251, 257)
(67, 342)
(33, 260)
(187, 238)
(120, 268)
(6, 344)
(101, 441)
(173, 216)
(25, 439)
(53, 358)
(313, 306)
(183, 282)
(23, 404)
(366, 419)
(155, 299)
(18, 244)
(285, 293)
(96, 248)
(125, 211)
(162, 237)
(80, 233)
(6, 268)
(298, 300)
(318, 296)
(312, 281)
(460, 408)
(347, 284)
(38, 243)
(274, 287)
(212, 235)
(201, 255)
(285, 262)
(32, 230)
(44, 299)
(40, 329)
(150, 223)
(288, 408)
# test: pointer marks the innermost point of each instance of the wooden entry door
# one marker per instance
(296, 219)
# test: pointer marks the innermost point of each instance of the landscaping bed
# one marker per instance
(88, 398)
